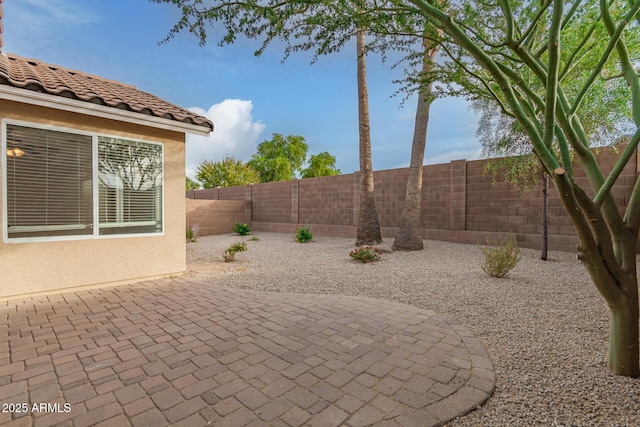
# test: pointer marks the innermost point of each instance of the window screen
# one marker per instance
(48, 183)
(130, 186)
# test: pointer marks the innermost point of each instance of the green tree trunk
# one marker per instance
(368, 228)
(610, 261)
(409, 236)
(623, 337)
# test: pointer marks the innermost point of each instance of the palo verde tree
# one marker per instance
(525, 54)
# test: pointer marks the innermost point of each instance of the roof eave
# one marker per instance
(82, 107)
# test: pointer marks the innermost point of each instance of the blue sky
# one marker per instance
(248, 98)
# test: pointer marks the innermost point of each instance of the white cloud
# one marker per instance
(235, 134)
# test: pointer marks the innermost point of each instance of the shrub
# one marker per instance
(366, 254)
(254, 239)
(303, 234)
(192, 233)
(501, 258)
(241, 229)
(229, 254)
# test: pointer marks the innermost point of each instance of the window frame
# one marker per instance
(95, 184)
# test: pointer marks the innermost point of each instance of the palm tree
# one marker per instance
(409, 236)
(368, 228)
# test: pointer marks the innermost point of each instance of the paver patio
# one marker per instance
(174, 352)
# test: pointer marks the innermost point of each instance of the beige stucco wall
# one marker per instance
(44, 266)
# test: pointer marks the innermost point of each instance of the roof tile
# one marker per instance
(33, 74)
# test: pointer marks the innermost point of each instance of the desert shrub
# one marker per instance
(501, 258)
(366, 254)
(241, 229)
(303, 234)
(191, 234)
(229, 254)
(254, 239)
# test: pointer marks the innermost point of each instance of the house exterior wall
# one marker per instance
(33, 267)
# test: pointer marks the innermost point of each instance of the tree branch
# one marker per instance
(615, 38)
(632, 214)
(490, 65)
(588, 251)
(570, 62)
(605, 189)
(623, 53)
(552, 74)
(534, 23)
(508, 18)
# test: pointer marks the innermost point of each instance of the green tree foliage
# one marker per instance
(544, 63)
(321, 164)
(280, 158)
(226, 173)
(191, 184)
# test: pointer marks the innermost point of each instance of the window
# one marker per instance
(62, 184)
(130, 176)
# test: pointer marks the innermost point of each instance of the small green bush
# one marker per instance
(501, 258)
(303, 234)
(366, 254)
(191, 235)
(254, 239)
(192, 232)
(229, 254)
(241, 229)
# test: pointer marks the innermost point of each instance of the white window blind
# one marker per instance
(130, 186)
(52, 189)
(49, 183)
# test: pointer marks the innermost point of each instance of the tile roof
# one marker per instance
(34, 75)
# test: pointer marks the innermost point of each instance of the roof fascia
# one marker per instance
(82, 107)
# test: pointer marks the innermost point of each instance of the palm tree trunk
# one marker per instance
(409, 236)
(368, 228)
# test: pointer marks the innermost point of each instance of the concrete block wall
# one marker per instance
(325, 200)
(271, 202)
(210, 217)
(436, 203)
(459, 203)
(390, 188)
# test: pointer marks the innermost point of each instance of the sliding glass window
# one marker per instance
(60, 183)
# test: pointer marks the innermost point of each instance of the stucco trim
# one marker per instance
(83, 107)
(102, 285)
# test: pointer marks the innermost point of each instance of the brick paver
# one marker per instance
(175, 352)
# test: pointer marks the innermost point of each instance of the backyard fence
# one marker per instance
(460, 203)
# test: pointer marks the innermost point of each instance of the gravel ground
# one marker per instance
(544, 326)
